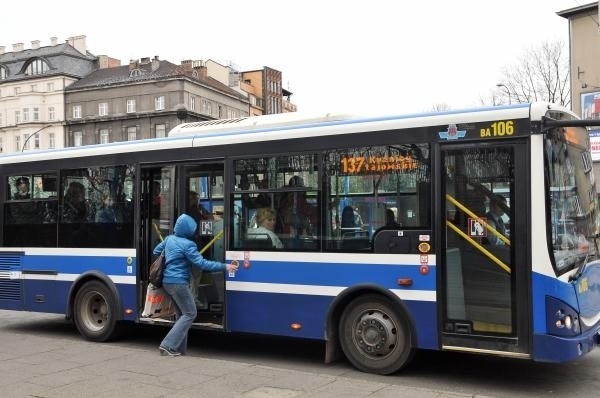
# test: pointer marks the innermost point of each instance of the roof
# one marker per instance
(568, 13)
(152, 70)
(63, 59)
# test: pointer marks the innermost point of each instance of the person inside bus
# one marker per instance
(196, 210)
(494, 219)
(296, 214)
(265, 220)
(181, 254)
(22, 185)
(351, 222)
(106, 213)
(75, 207)
(390, 222)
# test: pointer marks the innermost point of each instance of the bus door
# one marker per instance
(157, 214)
(485, 305)
(202, 185)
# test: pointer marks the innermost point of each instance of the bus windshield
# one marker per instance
(572, 195)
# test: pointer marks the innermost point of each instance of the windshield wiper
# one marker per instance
(581, 267)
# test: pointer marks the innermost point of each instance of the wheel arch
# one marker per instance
(93, 276)
(333, 350)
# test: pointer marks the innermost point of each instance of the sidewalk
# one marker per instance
(43, 356)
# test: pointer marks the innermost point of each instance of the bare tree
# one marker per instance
(440, 107)
(542, 74)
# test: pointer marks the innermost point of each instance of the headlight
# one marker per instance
(561, 318)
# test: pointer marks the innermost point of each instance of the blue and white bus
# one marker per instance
(389, 227)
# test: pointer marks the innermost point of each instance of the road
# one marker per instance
(42, 355)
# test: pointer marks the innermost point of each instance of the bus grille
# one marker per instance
(10, 289)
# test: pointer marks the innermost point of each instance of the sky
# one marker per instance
(359, 57)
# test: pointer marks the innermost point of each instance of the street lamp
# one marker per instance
(507, 91)
(31, 135)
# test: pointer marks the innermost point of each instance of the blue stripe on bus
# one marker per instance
(79, 264)
(51, 296)
(335, 274)
(246, 312)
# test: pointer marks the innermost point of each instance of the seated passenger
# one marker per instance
(22, 185)
(390, 222)
(106, 214)
(75, 206)
(265, 220)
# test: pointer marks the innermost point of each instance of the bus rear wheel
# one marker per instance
(375, 336)
(95, 312)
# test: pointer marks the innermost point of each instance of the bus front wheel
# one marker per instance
(95, 312)
(375, 336)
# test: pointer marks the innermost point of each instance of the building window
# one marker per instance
(51, 141)
(76, 111)
(36, 67)
(50, 87)
(25, 114)
(3, 73)
(18, 142)
(1, 145)
(17, 90)
(102, 109)
(77, 138)
(104, 136)
(36, 141)
(159, 103)
(25, 141)
(192, 103)
(131, 133)
(130, 106)
(17, 117)
(36, 114)
(51, 113)
(161, 130)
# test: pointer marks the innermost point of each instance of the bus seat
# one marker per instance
(258, 241)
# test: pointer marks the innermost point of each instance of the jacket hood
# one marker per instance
(185, 226)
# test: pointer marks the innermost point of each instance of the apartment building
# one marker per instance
(32, 84)
(145, 99)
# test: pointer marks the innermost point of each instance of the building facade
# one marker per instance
(63, 95)
(584, 63)
(145, 99)
(32, 84)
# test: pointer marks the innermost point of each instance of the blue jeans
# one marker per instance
(176, 339)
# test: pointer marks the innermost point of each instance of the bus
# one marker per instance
(385, 223)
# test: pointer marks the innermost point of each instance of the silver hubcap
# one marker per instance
(375, 334)
(94, 311)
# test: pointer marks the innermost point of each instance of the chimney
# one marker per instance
(104, 61)
(187, 66)
(155, 63)
(2, 49)
(78, 42)
(134, 64)
(53, 41)
(145, 60)
(202, 71)
(18, 47)
(35, 44)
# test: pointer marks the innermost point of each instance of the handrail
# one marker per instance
(470, 213)
(205, 248)
(482, 249)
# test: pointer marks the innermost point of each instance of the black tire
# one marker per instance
(95, 312)
(375, 335)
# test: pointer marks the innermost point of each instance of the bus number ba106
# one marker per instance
(498, 129)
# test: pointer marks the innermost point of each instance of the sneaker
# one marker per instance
(168, 351)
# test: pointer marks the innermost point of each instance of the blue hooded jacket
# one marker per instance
(181, 253)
